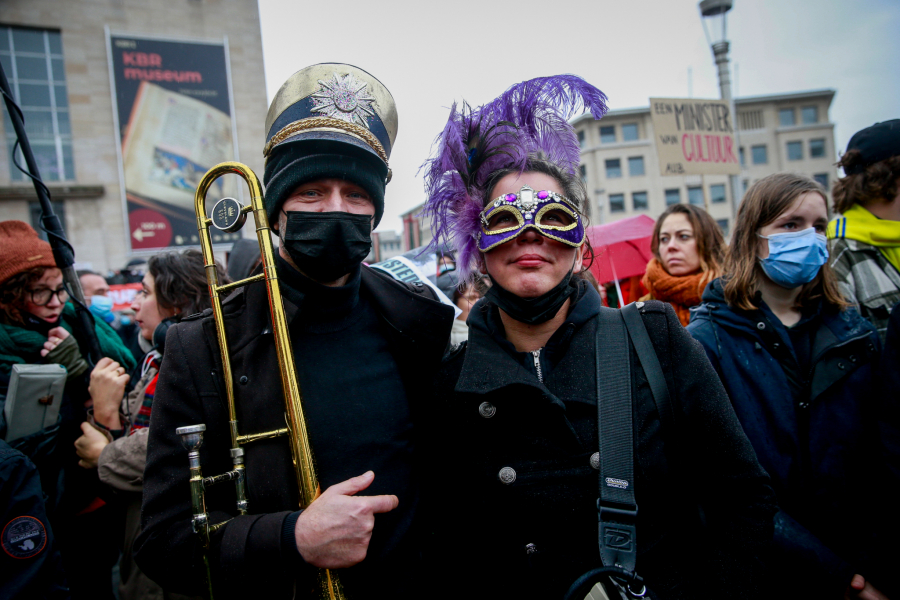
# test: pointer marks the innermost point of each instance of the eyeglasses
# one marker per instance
(42, 296)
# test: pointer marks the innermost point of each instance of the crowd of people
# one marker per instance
(733, 434)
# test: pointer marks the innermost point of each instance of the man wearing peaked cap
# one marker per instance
(365, 347)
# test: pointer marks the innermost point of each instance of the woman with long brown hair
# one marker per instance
(174, 286)
(687, 250)
(797, 363)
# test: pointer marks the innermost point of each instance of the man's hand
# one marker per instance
(860, 588)
(334, 531)
(89, 446)
(107, 387)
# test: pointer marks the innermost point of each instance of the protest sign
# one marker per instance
(694, 137)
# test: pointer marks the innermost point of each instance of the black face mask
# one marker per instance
(327, 245)
(532, 311)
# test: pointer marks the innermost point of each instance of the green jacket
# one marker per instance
(19, 345)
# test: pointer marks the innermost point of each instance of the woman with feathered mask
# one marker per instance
(517, 404)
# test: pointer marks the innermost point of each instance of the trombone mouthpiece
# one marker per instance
(191, 436)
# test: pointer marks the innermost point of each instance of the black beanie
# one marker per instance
(294, 163)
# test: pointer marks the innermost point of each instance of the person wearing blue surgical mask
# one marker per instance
(797, 361)
(101, 306)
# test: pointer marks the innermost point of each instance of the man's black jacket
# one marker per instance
(248, 555)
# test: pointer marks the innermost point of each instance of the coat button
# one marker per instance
(244, 379)
(853, 359)
(487, 410)
(776, 346)
(760, 325)
(507, 475)
(530, 548)
(595, 460)
(803, 404)
(639, 304)
(842, 365)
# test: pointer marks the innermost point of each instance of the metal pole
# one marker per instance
(63, 253)
(720, 53)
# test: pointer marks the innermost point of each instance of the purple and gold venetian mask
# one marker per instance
(552, 215)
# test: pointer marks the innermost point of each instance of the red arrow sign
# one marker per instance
(149, 229)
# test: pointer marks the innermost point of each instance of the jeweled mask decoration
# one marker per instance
(550, 214)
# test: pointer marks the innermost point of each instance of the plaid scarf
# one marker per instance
(142, 419)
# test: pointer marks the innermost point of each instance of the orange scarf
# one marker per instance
(681, 292)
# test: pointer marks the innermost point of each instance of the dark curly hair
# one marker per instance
(12, 294)
(179, 280)
(877, 183)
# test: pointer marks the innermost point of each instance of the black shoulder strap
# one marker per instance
(617, 509)
(637, 331)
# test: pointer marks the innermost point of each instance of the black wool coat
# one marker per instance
(253, 555)
(705, 505)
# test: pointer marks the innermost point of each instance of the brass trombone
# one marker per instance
(229, 215)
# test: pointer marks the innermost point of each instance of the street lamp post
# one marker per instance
(600, 207)
(713, 13)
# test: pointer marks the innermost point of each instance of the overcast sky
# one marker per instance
(429, 54)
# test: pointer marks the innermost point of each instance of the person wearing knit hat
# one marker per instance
(38, 326)
(866, 235)
(365, 347)
(330, 131)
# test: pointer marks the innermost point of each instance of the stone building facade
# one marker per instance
(59, 52)
(783, 132)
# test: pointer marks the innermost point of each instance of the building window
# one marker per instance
(673, 196)
(760, 155)
(581, 139)
(582, 170)
(639, 200)
(743, 157)
(822, 178)
(717, 193)
(617, 203)
(752, 119)
(695, 196)
(613, 168)
(723, 225)
(817, 148)
(608, 134)
(809, 114)
(629, 132)
(635, 166)
(786, 117)
(795, 150)
(33, 62)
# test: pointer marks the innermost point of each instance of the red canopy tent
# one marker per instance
(621, 248)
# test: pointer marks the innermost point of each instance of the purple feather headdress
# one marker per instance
(529, 118)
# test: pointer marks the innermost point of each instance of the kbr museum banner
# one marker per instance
(173, 109)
